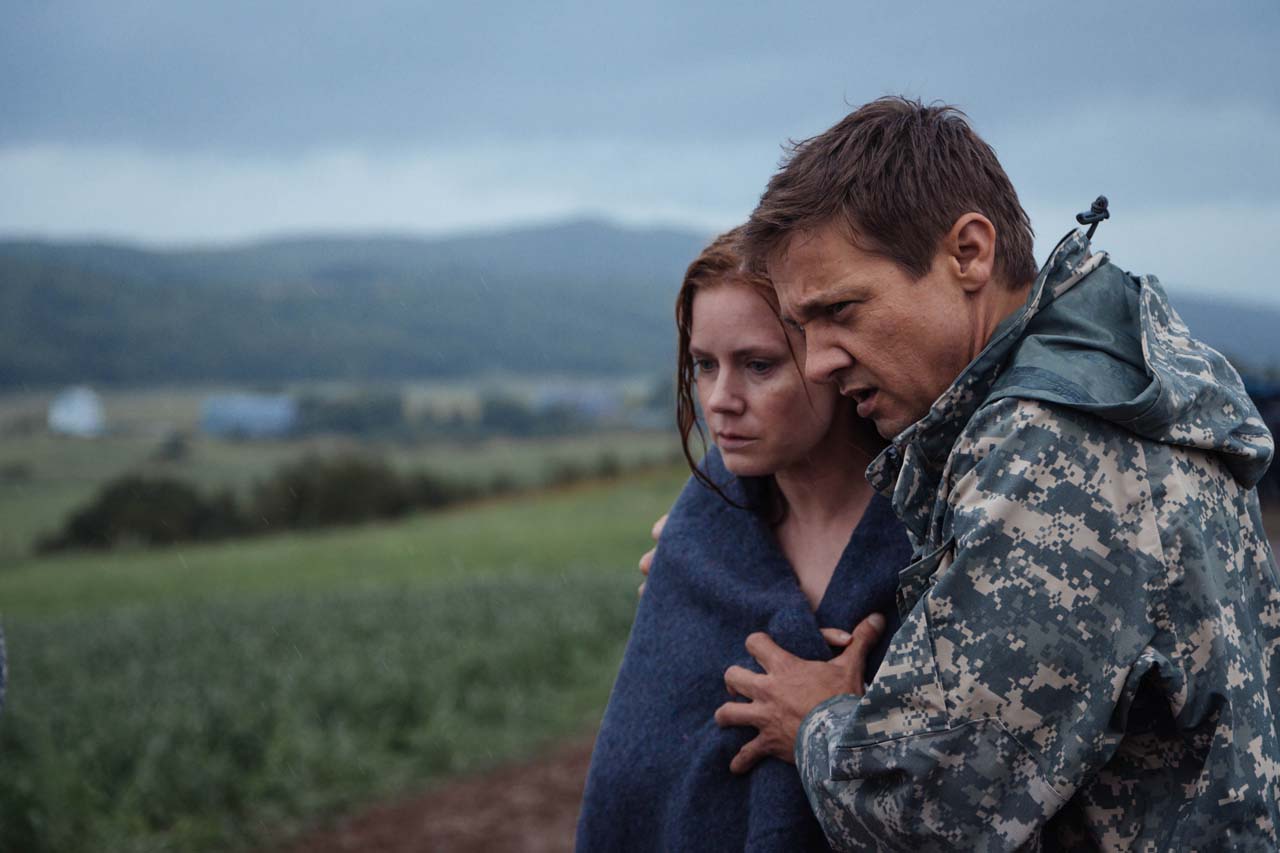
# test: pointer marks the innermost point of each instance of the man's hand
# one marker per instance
(791, 687)
(646, 561)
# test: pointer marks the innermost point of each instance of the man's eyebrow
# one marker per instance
(806, 308)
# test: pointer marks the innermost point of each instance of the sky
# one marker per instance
(172, 123)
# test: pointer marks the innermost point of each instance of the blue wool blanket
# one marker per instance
(659, 777)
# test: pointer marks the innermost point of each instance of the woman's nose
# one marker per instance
(725, 396)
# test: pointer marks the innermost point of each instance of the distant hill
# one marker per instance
(581, 297)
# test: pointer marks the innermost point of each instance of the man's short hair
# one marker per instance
(898, 175)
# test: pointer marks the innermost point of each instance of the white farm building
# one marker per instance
(77, 411)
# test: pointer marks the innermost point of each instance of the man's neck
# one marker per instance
(1001, 304)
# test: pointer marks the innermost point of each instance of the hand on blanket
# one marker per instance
(789, 688)
(646, 560)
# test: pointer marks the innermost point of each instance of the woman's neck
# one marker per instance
(826, 496)
(827, 487)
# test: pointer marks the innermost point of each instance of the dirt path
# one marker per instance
(531, 807)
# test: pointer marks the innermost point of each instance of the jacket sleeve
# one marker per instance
(996, 699)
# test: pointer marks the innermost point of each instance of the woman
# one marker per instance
(759, 540)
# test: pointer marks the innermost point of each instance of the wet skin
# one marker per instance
(762, 414)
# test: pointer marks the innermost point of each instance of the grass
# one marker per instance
(59, 474)
(225, 696)
(543, 533)
(203, 727)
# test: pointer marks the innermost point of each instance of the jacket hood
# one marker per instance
(1110, 344)
(1094, 338)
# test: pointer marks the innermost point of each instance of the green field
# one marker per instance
(43, 477)
(228, 695)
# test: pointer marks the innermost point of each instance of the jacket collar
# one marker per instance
(909, 469)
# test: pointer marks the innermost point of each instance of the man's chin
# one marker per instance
(890, 428)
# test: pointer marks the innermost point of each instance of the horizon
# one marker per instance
(1177, 286)
(163, 246)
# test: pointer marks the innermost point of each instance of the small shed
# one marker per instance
(77, 411)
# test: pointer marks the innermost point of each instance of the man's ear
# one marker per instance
(970, 247)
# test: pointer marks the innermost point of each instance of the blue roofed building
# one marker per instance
(249, 415)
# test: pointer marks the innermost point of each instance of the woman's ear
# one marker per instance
(970, 248)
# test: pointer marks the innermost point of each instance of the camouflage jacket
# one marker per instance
(1087, 656)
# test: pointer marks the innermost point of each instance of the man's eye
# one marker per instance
(836, 308)
(794, 326)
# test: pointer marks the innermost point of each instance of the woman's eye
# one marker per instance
(703, 365)
(759, 365)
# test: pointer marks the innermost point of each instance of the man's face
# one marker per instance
(890, 343)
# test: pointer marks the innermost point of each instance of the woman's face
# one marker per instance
(752, 393)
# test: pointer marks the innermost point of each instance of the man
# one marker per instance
(1087, 656)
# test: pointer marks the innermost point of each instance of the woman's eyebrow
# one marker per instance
(766, 351)
(769, 350)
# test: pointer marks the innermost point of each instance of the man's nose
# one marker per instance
(824, 358)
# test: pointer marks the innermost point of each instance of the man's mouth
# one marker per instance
(865, 397)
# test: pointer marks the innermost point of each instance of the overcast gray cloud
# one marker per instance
(188, 122)
(258, 76)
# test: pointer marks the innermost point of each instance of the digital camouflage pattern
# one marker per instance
(1088, 653)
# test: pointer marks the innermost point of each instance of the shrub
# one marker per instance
(148, 511)
(15, 472)
(507, 416)
(175, 447)
(428, 491)
(564, 472)
(317, 491)
(609, 465)
(364, 414)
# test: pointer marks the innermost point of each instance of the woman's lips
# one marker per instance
(732, 441)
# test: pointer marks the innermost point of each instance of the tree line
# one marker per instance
(310, 493)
